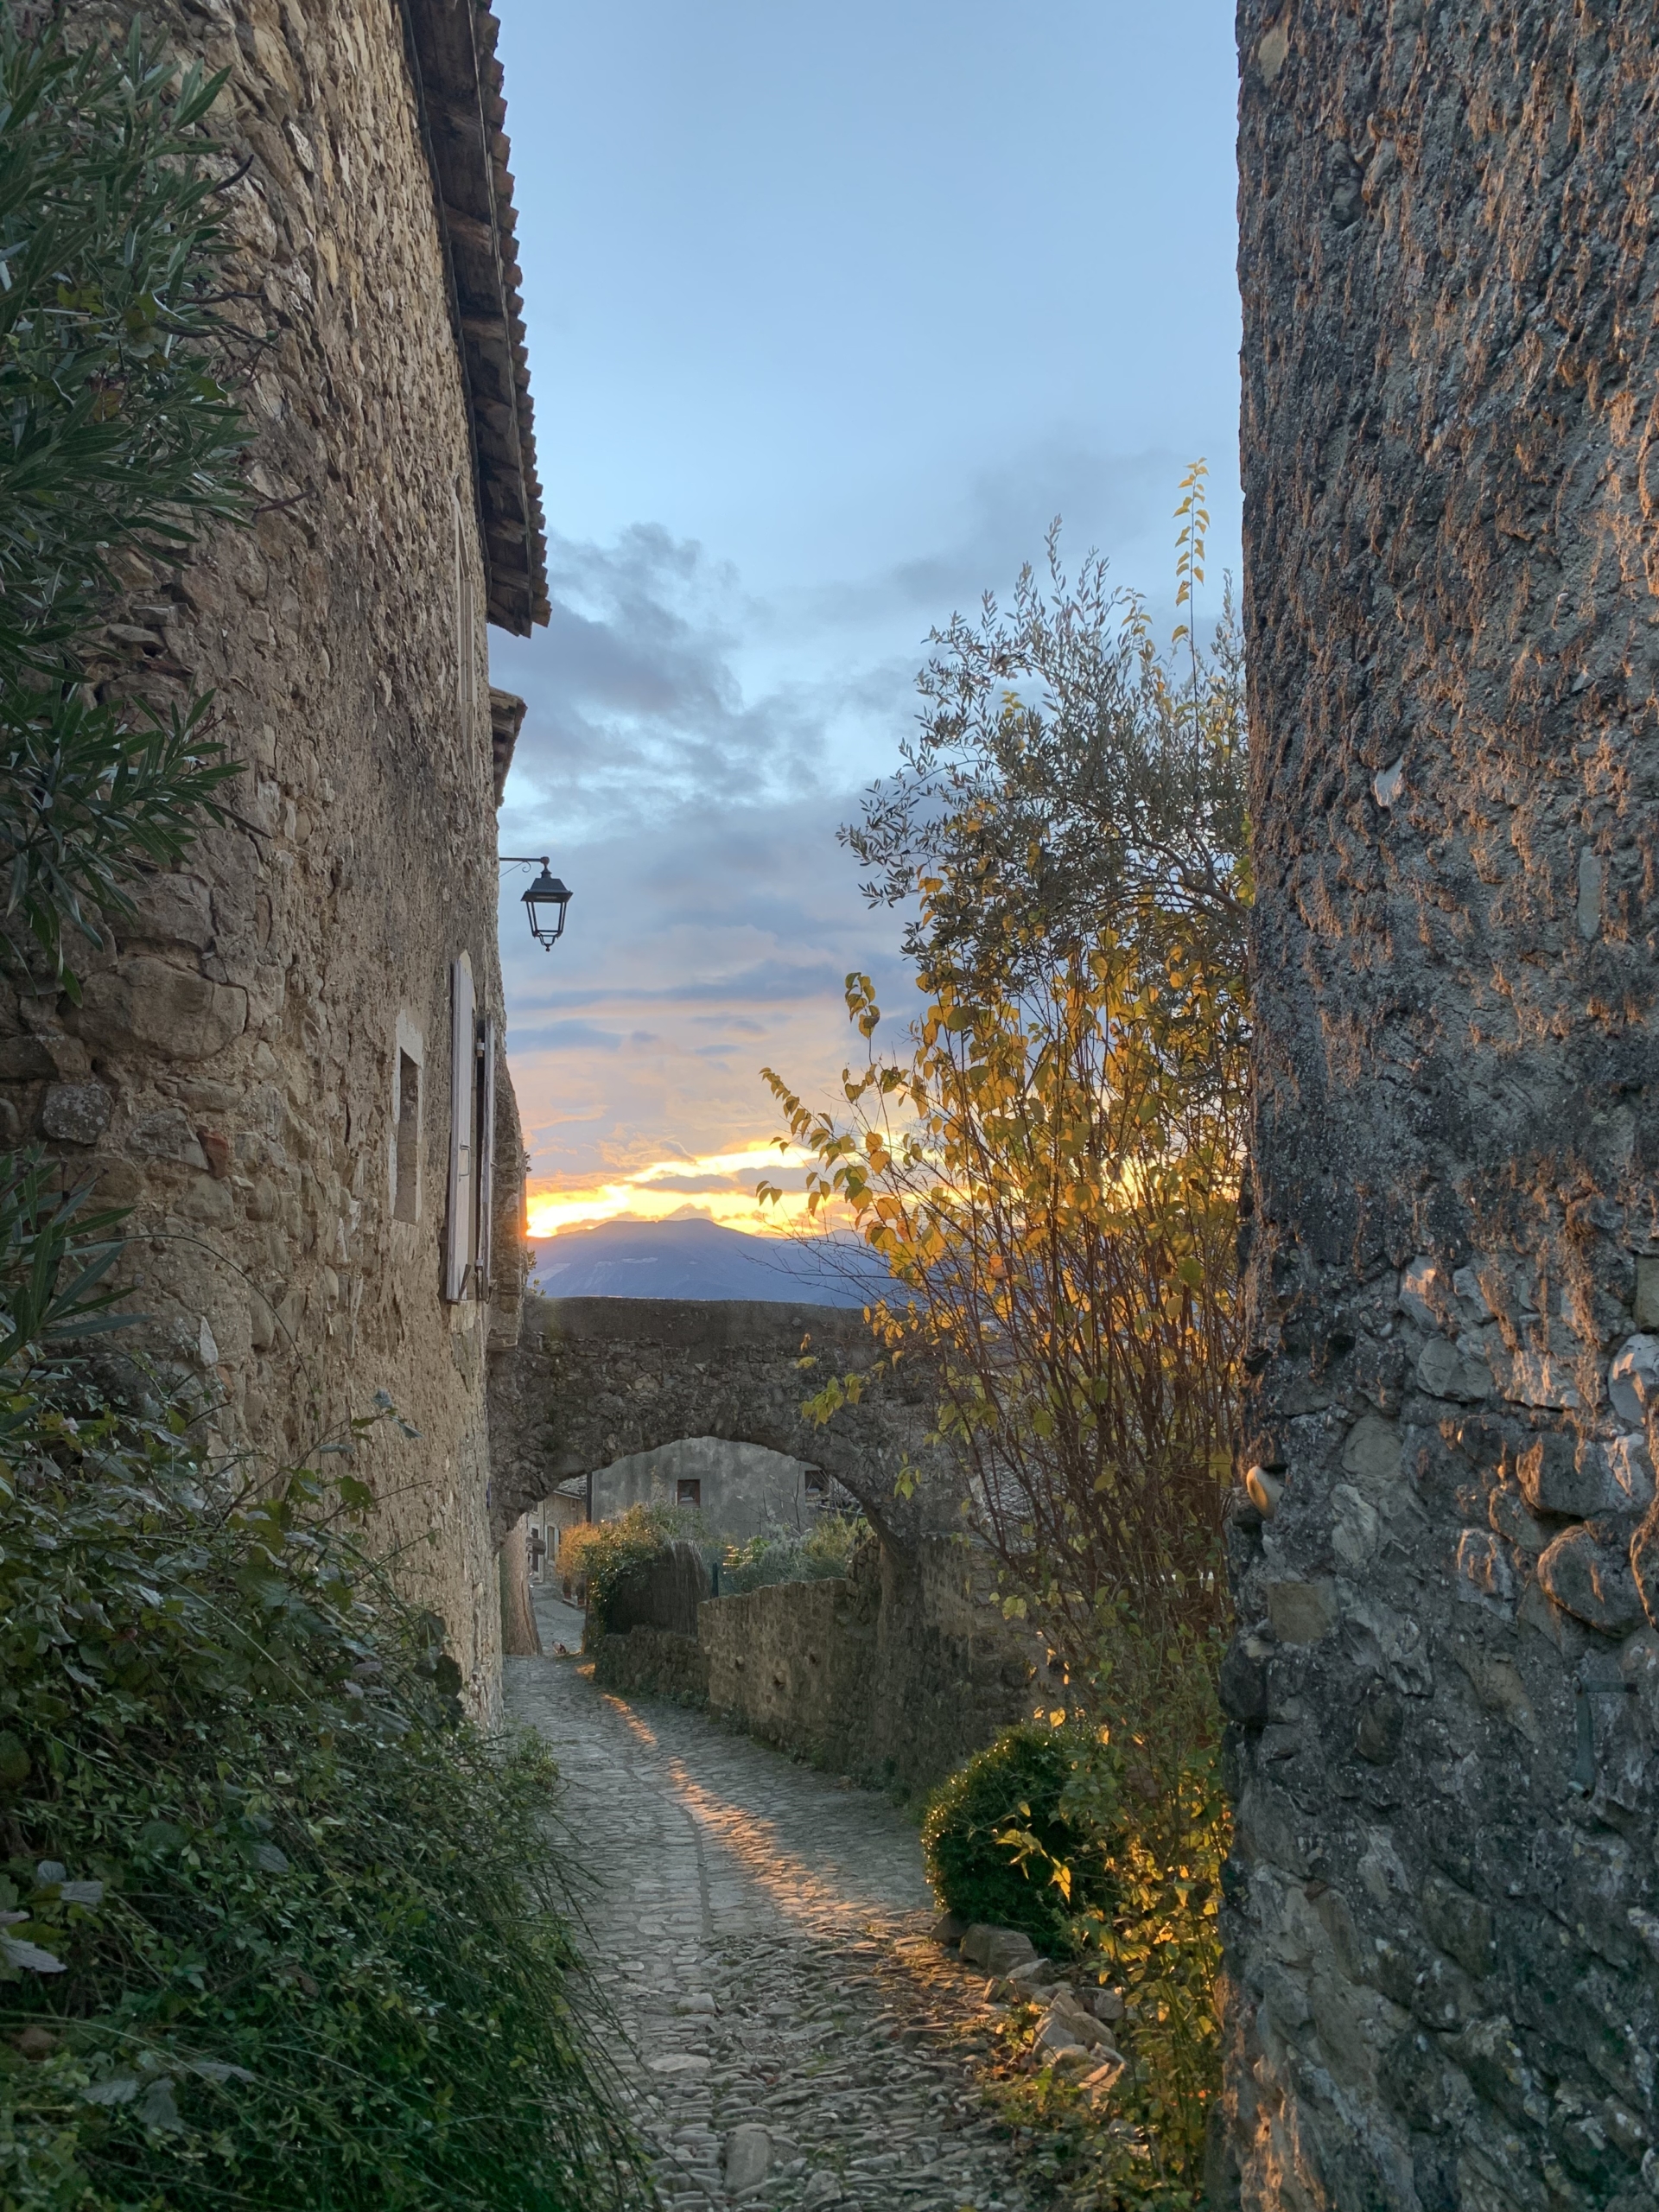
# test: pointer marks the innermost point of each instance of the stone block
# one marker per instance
(1057, 2039)
(75, 1113)
(1426, 1292)
(748, 2155)
(167, 1134)
(1549, 1379)
(1380, 1726)
(1244, 1680)
(147, 1004)
(1069, 2008)
(999, 1950)
(1568, 1476)
(171, 910)
(1508, 1512)
(204, 1201)
(1357, 1529)
(1633, 1379)
(1631, 1466)
(1371, 1452)
(1302, 1613)
(1007, 1949)
(1647, 1292)
(1588, 1572)
(1458, 1371)
(1484, 1574)
(25, 1059)
(1459, 1924)
(1498, 1683)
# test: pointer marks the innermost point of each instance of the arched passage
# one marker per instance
(595, 1380)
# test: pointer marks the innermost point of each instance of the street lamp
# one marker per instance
(545, 900)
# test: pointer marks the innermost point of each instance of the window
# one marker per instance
(688, 1492)
(406, 1139)
(486, 1201)
(463, 1081)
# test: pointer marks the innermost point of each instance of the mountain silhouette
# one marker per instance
(694, 1257)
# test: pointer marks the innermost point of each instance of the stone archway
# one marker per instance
(594, 1380)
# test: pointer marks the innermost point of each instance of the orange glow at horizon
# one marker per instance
(724, 1192)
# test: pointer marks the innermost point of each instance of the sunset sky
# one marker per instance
(830, 314)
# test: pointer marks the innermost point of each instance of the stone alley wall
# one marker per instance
(894, 1675)
(285, 1064)
(1443, 1918)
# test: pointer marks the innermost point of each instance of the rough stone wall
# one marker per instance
(654, 1662)
(232, 1073)
(664, 1593)
(787, 1662)
(596, 1380)
(894, 1675)
(1444, 1904)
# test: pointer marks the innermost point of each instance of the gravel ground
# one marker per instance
(761, 1931)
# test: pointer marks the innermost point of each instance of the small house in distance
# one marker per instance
(740, 1490)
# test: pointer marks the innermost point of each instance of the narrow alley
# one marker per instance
(795, 2038)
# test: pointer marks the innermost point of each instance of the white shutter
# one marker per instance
(486, 1155)
(458, 1248)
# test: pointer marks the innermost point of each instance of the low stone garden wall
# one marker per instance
(786, 1661)
(654, 1662)
(894, 1675)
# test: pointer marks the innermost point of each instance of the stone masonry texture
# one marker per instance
(1443, 1916)
(894, 1675)
(758, 1934)
(595, 1380)
(233, 1071)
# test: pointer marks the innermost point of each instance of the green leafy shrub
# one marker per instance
(1144, 1786)
(122, 438)
(1001, 1846)
(823, 1550)
(270, 1907)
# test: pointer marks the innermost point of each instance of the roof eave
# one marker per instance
(459, 80)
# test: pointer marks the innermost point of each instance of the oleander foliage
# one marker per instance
(120, 437)
(270, 1905)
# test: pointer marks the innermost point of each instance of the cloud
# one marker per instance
(720, 1187)
(688, 751)
(637, 704)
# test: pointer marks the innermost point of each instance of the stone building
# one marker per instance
(289, 1064)
(1443, 1916)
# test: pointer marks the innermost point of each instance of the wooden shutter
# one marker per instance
(463, 1091)
(486, 1154)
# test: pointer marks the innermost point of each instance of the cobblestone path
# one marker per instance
(761, 1931)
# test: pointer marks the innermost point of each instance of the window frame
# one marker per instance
(459, 1236)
